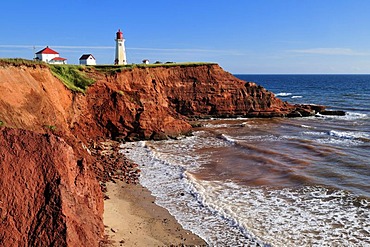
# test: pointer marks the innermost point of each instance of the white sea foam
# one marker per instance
(350, 116)
(307, 126)
(166, 177)
(348, 134)
(228, 138)
(357, 115)
(311, 216)
(283, 94)
(211, 125)
(314, 133)
(339, 142)
(296, 96)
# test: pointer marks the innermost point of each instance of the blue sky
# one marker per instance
(243, 36)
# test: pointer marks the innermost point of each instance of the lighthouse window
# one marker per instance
(120, 44)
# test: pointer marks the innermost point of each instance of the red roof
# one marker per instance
(47, 50)
(59, 59)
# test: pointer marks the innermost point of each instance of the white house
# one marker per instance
(48, 55)
(87, 59)
(146, 61)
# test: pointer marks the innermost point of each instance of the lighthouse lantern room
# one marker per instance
(120, 49)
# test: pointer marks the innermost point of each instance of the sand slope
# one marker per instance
(131, 218)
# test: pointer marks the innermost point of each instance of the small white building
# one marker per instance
(48, 55)
(58, 60)
(146, 61)
(87, 59)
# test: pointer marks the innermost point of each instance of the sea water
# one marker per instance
(272, 182)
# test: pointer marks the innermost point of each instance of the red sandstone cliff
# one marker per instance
(138, 103)
(145, 103)
(50, 196)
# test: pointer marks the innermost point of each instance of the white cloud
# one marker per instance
(331, 51)
(147, 49)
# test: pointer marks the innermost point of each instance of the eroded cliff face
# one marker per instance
(138, 103)
(48, 197)
(49, 194)
(145, 103)
(32, 98)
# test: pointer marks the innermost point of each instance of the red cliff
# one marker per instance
(49, 194)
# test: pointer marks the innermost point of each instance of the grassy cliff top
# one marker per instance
(75, 77)
(20, 62)
(26, 62)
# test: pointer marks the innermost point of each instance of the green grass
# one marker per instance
(20, 61)
(2, 123)
(72, 76)
(118, 68)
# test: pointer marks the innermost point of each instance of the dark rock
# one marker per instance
(333, 113)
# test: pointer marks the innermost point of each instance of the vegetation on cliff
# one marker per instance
(20, 62)
(72, 76)
(112, 69)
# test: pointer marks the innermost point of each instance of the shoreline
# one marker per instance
(131, 218)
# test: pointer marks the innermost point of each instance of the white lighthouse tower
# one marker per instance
(120, 49)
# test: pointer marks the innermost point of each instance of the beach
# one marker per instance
(131, 218)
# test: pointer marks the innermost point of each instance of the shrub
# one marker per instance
(50, 127)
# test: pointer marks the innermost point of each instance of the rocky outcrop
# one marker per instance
(48, 196)
(152, 103)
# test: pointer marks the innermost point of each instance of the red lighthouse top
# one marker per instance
(119, 34)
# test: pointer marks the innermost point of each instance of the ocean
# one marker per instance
(272, 182)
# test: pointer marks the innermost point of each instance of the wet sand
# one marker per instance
(131, 218)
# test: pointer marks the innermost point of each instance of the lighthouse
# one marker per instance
(120, 49)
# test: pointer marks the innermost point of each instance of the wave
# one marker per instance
(227, 138)
(296, 96)
(204, 198)
(314, 133)
(307, 216)
(307, 126)
(356, 115)
(350, 116)
(214, 126)
(283, 94)
(351, 135)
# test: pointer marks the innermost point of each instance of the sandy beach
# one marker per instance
(131, 218)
